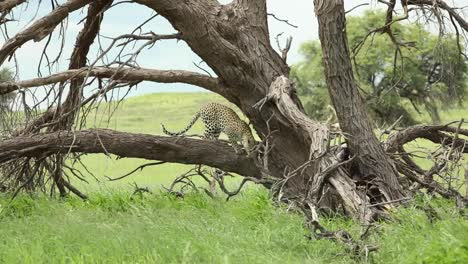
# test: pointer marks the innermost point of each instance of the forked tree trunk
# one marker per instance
(234, 41)
(236, 46)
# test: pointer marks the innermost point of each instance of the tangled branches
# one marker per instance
(448, 161)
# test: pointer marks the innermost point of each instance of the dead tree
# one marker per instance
(295, 155)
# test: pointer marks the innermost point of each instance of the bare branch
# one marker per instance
(41, 28)
(285, 50)
(282, 20)
(6, 6)
(9, 4)
(432, 186)
(141, 167)
(350, 10)
(169, 149)
(124, 74)
(443, 5)
(149, 36)
(434, 133)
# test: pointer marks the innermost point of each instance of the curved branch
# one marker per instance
(40, 28)
(434, 133)
(131, 145)
(442, 4)
(124, 74)
(6, 5)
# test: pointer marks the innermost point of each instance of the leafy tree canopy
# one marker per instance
(6, 99)
(5, 75)
(429, 71)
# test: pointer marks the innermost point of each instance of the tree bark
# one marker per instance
(125, 74)
(371, 161)
(236, 45)
(6, 5)
(438, 134)
(181, 150)
(78, 58)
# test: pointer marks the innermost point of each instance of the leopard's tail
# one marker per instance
(192, 122)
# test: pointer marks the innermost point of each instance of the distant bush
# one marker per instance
(5, 100)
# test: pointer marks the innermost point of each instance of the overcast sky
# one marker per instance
(166, 54)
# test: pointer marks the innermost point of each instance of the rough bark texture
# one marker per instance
(9, 4)
(180, 150)
(371, 161)
(234, 41)
(322, 165)
(434, 133)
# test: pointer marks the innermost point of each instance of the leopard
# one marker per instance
(218, 119)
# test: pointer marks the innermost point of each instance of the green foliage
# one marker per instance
(424, 76)
(310, 81)
(6, 75)
(6, 99)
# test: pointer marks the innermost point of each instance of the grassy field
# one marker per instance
(116, 227)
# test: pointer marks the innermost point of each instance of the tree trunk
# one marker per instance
(371, 163)
(236, 46)
(234, 41)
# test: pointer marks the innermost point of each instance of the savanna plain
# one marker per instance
(115, 226)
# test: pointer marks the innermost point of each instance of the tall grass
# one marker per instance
(116, 227)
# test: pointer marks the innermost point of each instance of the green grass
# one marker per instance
(116, 227)
(412, 238)
(447, 114)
